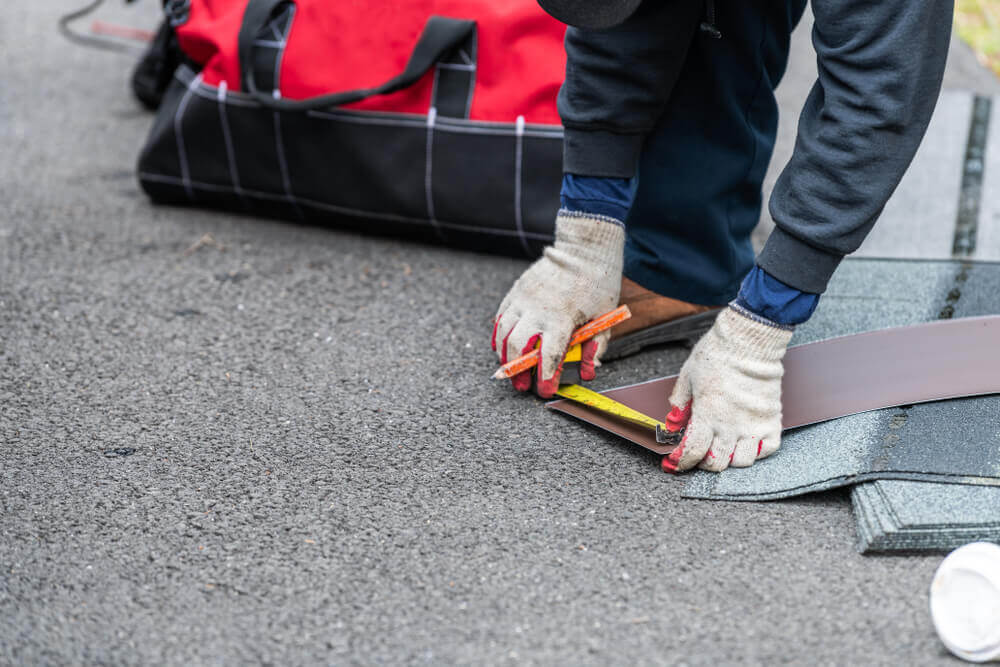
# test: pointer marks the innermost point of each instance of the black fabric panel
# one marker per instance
(378, 168)
(164, 193)
(365, 174)
(265, 62)
(266, 58)
(473, 179)
(256, 16)
(159, 155)
(541, 179)
(455, 77)
(452, 92)
(256, 150)
(204, 142)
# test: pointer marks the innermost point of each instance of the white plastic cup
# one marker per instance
(965, 602)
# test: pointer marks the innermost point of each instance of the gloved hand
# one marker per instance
(728, 394)
(577, 278)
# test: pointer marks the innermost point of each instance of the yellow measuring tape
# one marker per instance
(608, 406)
(620, 411)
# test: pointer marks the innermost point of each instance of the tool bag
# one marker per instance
(433, 119)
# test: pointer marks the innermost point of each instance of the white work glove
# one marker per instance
(577, 278)
(728, 395)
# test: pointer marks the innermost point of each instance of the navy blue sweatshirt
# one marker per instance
(880, 70)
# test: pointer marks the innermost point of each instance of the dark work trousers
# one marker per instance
(702, 167)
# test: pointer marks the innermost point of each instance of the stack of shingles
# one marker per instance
(896, 515)
(926, 476)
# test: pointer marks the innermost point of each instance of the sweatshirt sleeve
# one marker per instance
(617, 84)
(880, 71)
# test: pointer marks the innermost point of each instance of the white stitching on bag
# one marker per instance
(179, 135)
(518, 155)
(383, 117)
(211, 187)
(428, 171)
(472, 76)
(286, 180)
(463, 68)
(227, 135)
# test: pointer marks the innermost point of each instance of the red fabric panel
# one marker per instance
(349, 44)
(212, 24)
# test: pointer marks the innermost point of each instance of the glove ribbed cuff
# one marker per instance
(759, 337)
(568, 213)
(760, 319)
(596, 238)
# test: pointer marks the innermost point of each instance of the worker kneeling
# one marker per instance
(670, 120)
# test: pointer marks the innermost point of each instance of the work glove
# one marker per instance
(577, 278)
(728, 395)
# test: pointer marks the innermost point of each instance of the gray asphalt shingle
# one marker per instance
(949, 437)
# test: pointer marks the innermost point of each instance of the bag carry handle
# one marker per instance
(440, 36)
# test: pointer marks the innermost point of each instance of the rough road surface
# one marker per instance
(279, 444)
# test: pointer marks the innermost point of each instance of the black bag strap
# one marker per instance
(440, 36)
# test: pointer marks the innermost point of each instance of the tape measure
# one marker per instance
(620, 411)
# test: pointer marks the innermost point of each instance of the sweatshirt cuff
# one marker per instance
(796, 263)
(600, 153)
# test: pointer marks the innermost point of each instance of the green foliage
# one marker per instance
(978, 24)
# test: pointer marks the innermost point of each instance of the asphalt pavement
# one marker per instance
(228, 440)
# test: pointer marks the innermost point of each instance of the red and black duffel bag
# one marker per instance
(427, 118)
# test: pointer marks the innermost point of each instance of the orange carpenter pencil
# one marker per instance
(584, 333)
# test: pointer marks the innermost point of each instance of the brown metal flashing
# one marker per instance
(847, 375)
